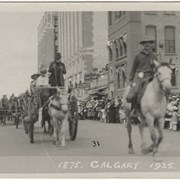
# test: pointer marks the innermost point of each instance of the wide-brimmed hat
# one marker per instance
(42, 68)
(34, 76)
(147, 39)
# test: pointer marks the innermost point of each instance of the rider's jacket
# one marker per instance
(143, 63)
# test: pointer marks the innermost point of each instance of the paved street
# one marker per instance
(18, 155)
(112, 140)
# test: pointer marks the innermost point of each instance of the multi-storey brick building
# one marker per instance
(126, 29)
(47, 40)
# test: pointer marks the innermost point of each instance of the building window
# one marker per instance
(110, 18)
(110, 53)
(123, 13)
(151, 31)
(173, 77)
(119, 15)
(169, 39)
(125, 47)
(118, 80)
(117, 49)
(121, 44)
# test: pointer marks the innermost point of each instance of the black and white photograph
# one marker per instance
(89, 90)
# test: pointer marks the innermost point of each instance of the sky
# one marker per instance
(18, 50)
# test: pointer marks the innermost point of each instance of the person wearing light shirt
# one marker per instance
(43, 81)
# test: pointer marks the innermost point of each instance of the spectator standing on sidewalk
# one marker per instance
(112, 112)
(107, 108)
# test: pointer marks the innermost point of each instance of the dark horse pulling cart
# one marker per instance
(33, 104)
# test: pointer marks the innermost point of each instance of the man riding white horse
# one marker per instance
(141, 73)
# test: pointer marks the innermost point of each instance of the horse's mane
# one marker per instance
(164, 64)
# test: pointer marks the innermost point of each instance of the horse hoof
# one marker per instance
(131, 151)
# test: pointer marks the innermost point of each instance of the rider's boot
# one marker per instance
(136, 111)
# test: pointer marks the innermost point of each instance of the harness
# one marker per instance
(58, 108)
(163, 92)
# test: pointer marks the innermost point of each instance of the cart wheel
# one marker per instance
(73, 126)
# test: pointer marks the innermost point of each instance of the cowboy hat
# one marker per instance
(34, 76)
(147, 39)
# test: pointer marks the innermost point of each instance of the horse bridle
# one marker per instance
(62, 103)
(161, 82)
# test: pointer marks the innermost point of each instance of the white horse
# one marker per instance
(58, 111)
(153, 107)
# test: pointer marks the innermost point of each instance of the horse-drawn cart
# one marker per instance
(35, 113)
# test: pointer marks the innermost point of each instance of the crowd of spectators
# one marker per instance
(103, 109)
(172, 117)
(110, 110)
